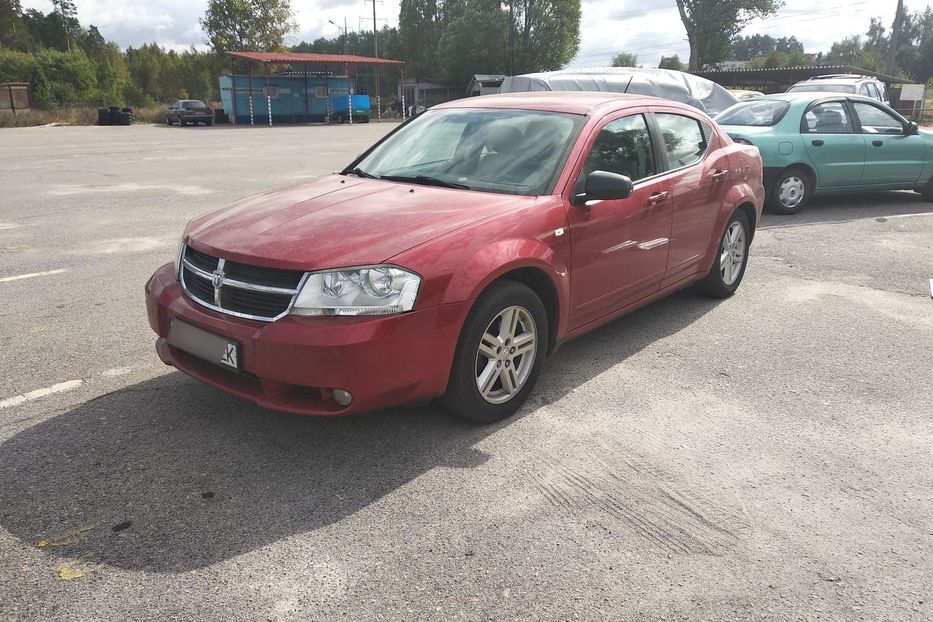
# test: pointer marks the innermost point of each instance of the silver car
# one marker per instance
(850, 83)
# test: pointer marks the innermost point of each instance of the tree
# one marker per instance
(546, 34)
(247, 24)
(672, 62)
(711, 25)
(10, 10)
(625, 59)
(420, 24)
(67, 12)
(895, 37)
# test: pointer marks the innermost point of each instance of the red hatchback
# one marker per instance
(454, 255)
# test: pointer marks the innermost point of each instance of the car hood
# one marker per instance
(340, 221)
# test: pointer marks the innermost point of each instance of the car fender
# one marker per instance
(737, 195)
(493, 261)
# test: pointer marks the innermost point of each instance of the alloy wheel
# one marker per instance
(732, 253)
(506, 354)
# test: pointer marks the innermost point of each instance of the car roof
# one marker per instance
(573, 102)
(809, 96)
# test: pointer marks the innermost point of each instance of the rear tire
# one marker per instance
(182, 122)
(731, 259)
(499, 355)
(791, 191)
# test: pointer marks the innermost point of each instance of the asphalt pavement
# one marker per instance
(766, 457)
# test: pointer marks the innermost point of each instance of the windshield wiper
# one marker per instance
(360, 173)
(426, 181)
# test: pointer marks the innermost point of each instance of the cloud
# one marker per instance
(607, 27)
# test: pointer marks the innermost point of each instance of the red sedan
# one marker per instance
(453, 257)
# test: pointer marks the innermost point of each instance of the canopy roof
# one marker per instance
(669, 84)
(313, 59)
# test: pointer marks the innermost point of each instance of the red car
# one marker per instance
(451, 258)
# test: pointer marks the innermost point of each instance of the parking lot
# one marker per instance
(765, 457)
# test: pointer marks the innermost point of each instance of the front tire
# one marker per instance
(729, 266)
(500, 353)
(791, 192)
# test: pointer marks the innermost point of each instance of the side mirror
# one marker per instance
(912, 129)
(603, 185)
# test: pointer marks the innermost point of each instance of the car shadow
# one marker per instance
(840, 208)
(169, 475)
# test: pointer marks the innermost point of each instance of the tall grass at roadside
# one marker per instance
(74, 116)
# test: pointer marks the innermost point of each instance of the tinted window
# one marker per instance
(863, 90)
(874, 120)
(510, 151)
(822, 88)
(761, 113)
(683, 139)
(193, 104)
(623, 146)
(873, 91)
(827, 118)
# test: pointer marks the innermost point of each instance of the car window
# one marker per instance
(827, 118)
(194, 104)
(874, 120)
(863, 90)
(623, 146)
(683, 139)
(873, 91)
(760, 113)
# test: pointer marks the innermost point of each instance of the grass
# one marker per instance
(74, 116)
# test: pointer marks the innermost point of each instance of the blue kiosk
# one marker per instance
(314, 88)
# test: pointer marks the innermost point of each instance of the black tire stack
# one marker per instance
(114, 115)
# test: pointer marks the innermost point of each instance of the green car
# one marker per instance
(821, 143)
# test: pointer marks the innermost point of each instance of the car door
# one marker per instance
(620, 246)
(837, 152)
(698, 180)
(892, 157)
(173, 111)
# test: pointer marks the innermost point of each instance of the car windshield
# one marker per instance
(491, 150)
(822, 88)
(193, 104)
(760, 112)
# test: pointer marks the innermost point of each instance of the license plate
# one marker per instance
(202, 344)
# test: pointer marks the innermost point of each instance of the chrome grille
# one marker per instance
(251, 292)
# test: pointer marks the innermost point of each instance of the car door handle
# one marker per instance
(658, 197)
(817, 143)
(719, 174)
(877, 143)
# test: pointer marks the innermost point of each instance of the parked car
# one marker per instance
(185, 111)
(456, 254)
(814, 143)
(843, 83)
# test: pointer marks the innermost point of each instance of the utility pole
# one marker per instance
(895, 38)
(376, 67)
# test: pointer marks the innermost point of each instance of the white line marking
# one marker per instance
(8, 225)
(31, 275)
(16, 400)
(908, 215)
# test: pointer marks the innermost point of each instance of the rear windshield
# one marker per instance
(759, 112)
(822, 88)
(193, 104)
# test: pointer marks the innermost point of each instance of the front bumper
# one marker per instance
(293, 364)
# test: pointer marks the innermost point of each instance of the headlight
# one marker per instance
(377, 290)
(178, 254)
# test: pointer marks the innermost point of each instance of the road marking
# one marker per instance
(31, 275)
(909, 215)
(61, 387)
(8, 225)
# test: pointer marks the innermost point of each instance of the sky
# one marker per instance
(648, 29)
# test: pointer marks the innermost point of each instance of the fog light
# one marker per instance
(343, 398)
